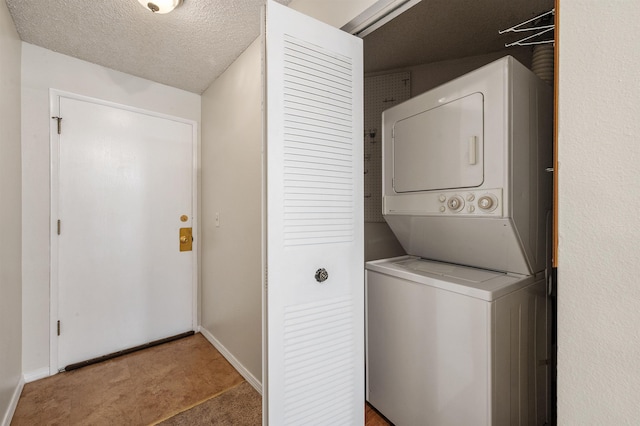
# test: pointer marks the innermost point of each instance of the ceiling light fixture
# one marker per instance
(160, 6)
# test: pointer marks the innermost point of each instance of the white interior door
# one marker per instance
(314, 372)
(124, 190)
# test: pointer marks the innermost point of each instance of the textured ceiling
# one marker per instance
(438, 30)
(187, 48)
(191, 46)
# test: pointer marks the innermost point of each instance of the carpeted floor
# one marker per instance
(141, 388)
(241, 405)
(185, 382)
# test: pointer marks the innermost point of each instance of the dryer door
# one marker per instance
(441, 148)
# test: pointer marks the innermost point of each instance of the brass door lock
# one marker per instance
(186, 239)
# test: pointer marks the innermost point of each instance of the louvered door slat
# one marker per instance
(315, 371)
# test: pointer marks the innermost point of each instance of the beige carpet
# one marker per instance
(238, 406)
(138, 389)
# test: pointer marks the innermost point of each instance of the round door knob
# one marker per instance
(184, 239)
(321, 275)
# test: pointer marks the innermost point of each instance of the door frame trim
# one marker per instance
(54, 142)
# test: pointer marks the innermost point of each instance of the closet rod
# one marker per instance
(516, 28)
(524, 42)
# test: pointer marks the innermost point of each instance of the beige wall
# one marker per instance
(232, 187)
(599, 201)
(43, 69)
(10, 216)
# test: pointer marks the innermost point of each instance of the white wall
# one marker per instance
(232, 186)
(599, 201)
(41, 70)
(10, 217)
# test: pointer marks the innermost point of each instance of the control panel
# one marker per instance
(485, 202)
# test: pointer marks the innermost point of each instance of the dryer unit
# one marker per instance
(464, 170)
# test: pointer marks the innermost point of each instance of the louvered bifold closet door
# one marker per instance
(314, 208)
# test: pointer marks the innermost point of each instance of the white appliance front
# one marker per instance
(427, 150)
(453, 345)
(464, 167)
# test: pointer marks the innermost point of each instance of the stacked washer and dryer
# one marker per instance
(458, 330)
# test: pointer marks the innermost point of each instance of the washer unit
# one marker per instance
(454, 345)
(461, 338)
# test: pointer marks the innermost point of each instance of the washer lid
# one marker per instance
(479, 283)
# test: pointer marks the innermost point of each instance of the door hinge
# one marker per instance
(59, 123)
(58, 327)
(59, 226)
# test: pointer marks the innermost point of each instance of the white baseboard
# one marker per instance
(38, 374)
(232, 360)
(6, 421)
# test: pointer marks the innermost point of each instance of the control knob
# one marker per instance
(488, 202)
(455, 203)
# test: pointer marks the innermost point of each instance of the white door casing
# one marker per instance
(314, 343)
(121, 180)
